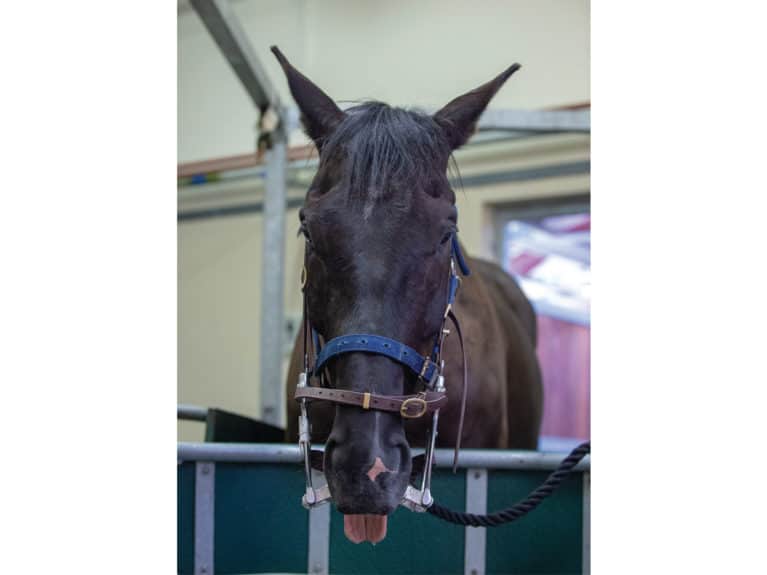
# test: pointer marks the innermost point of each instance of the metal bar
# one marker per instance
(204, 517)
(505, 459)
(192, 412)
(587, 523)
(228, 33)
(536, 120)
(226, 211)
(289, 453)
(524, 175)
(475, 537)
(272, 262)
(319, 534)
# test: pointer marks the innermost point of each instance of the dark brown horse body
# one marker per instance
(505, 395)
(380, 226)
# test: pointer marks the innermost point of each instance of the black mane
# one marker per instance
(384, 149)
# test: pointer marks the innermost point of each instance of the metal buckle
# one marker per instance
(314, 497)
(424, 368)
(403, 410)
(416, 500)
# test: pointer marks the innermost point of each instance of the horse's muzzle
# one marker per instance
(365, 481)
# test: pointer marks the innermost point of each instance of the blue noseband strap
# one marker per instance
(399, 352)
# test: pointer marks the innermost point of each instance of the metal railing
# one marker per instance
(290, 453)
(188, 412)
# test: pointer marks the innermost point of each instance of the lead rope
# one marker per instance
(521, 508)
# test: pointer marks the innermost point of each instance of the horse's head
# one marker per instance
(378, 220)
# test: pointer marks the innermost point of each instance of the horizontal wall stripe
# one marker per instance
(476, 180)
(239, 210)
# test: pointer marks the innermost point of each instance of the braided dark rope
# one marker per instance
(521, 508)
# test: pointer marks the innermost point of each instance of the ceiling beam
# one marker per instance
(225, 28)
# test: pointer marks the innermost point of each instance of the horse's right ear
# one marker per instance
(459, 117)
(319, 113)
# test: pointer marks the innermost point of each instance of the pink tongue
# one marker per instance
(359, 528)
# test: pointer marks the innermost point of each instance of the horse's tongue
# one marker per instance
(359, 528)
(375, 527)
(354, 528)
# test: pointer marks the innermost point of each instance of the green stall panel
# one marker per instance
(185, 512)
(260, 523)
(261, 527)
(547, 540)
(415, 542)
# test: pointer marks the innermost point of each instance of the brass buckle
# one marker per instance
(403, 410)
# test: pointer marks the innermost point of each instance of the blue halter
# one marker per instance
(425, 368)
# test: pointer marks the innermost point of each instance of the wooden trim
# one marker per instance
(251, 160)
(578, 106)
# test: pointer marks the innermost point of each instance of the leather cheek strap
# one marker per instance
(464, 388)
(408, 406)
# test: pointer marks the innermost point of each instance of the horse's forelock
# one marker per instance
(386, 153)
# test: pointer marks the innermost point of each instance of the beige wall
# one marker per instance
(411, 53)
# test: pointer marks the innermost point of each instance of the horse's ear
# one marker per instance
(459, 117)
(319, 113)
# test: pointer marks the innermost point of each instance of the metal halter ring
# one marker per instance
(303, 277)
(403, 410)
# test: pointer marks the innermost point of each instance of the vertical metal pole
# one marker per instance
(204, 516)
(319, 534)
(475, 537)
(272, 280)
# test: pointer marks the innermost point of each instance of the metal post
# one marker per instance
(228, 33)
(272, 280)
(319, 534)
(204, 516)
(475, 537)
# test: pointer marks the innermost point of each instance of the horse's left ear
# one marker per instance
(319, 113)
(459, 117)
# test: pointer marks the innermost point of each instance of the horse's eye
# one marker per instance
(446, 238)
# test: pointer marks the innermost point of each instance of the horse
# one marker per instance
(380, 224)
